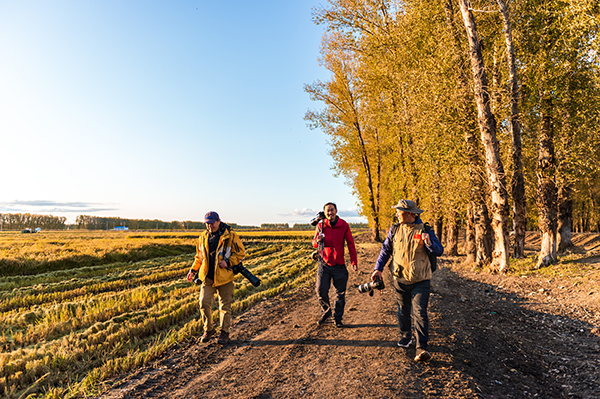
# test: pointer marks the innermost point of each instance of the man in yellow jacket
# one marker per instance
(217, 250)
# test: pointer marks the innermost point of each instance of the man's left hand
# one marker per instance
(426, 239)
(223, 264)
(355, 268)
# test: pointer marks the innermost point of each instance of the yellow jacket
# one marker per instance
(230, 249)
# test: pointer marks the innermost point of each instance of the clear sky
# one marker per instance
(163, 110)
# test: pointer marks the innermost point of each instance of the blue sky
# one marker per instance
(163, 110)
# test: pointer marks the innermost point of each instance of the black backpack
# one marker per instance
(430, 255)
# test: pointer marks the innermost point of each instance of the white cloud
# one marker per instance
(46, 206)
(304, 212)
(310, 213)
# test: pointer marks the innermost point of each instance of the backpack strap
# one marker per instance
(430, 255)
(395, 228)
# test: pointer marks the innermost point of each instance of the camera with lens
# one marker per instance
(315, 255)
(239, 268)
(377, 284)
(320, 216)
(196, 280)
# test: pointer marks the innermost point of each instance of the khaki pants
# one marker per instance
(225, 295)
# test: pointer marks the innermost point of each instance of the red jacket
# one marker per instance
(333, 253)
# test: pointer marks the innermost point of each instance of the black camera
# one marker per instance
(373, 285)
(196, 280)
(315, 255)
(239, 268)
(320, 216)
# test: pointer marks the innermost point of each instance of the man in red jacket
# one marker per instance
(330, 235)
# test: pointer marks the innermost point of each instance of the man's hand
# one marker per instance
(320, 237)
(223, 264)
(355, 268)
(376, 274)
(426, 239)
(190, 276)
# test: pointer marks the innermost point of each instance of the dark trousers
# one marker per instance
(339, 275)
(413, 300)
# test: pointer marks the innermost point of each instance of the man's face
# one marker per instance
(330, 212)
(213, 227)
(405, 217)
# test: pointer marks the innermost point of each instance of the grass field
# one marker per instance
(77, 308)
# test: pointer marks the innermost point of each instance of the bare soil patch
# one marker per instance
(492, 336)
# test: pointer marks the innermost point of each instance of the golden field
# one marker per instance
(78, 307)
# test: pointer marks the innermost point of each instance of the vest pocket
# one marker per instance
(416, 272)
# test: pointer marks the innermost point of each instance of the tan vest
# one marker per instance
(411, 263)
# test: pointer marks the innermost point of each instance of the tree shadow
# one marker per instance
(509, 350)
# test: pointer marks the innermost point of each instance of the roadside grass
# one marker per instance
(67, 331)
(568, 266)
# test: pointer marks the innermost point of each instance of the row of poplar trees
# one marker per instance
(484, 112)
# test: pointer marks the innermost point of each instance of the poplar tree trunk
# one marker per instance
(565, 216)
(367, 169)
(405, 159)
(478, 240)
(438, 227)
(487, 126)
(565, 186)
(470, 248)
(479, 244)
(517, 181)
(546, 199)
(377, 194)
(451, 248)
(483, 235)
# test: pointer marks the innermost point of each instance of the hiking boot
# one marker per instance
(339, 324)
(207, 336)
(223, 338)
(422, 355)
(324, 317)
(405, 342)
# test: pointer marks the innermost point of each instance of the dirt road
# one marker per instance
(491, 336)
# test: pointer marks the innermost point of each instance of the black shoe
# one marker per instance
(324, 317)
(422, 355)
(207, 336)
(339, 324)
(223, 338)
(405, 342)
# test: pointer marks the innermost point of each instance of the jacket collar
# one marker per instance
(337, 222)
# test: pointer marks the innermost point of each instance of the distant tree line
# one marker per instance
(275, 226)
(21, 221)
(484, 112)
(87, 222)
(308, 226)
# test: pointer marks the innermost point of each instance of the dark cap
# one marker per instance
(211, 217)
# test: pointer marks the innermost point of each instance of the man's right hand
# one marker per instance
(320, 237)
(376, 274)
(190, 276)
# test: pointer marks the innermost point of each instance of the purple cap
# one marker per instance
(211, 217)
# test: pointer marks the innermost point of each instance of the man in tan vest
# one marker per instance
(411, 243)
